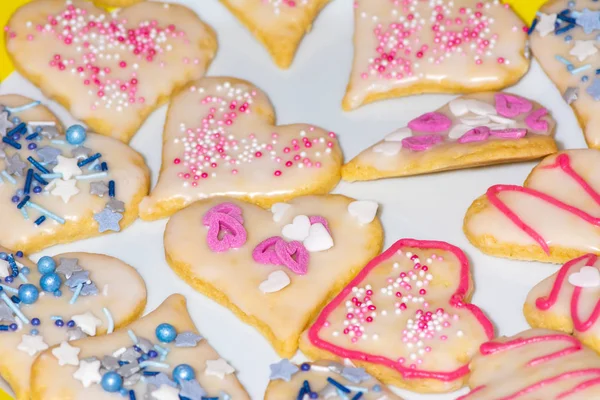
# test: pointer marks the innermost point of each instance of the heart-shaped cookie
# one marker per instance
(279, 25)
(470, 131)
(534, 364)
(411, 47)
(160, 356)
(553, 217)
(405, 318)
(57, 189)
(61, 299)
(242, 278)
(220, 140)
(563, 40)
(109, 70)
(568, 301)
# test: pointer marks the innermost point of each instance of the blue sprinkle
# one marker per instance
(11, 142)
(338, 385)
(28, 179)
(3, 328)
(15, 299)
(580, 69)
(377, 388)
(58, 141)
(357, 396)
(39, 166)
(24, 213)
(76, 294)
(131, 395)
(564, 17)
(23, 202)
(46, 212)
(104, 166)
(111, 188)
(8, 289)
(564, 29)
(584, 78)
(21, 128)
(38, 178)
(532, 27)
(8, 177)
(23, 107)
(91, 176)
(34, 332)
(150, 373)
(13, 308)
(562, 60)
(32, 136)
(89, 160)
(134, 338)
(51, 176)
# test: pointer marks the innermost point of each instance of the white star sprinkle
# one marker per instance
(88, 373)
(166, 392)
(66, 354)
(32, 344)
(545, 24)
(218, 368)
(64, 189)
(583, 49)
(67, 167)
(87, 323)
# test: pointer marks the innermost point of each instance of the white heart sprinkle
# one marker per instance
(276, 281)
(502, 120)
(388, 148)
(318, 239)
(458, 131)
(459, 107)
(587, 277)
(481, 108)
(364, 211)
(476, 121)
(398, 135)
(298, 229)
(279, 210)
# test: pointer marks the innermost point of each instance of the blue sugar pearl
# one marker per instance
(570, 67)
(183, 372)
(144, 357)
(28, 293)
(76, 134)
(57, 293)
(16, 137)
(46, 265)
(59, 322)
(3, 256)
(32, 146)
(124, 392)
(15, 199)
(305, 367)
(377, 388)
(584, 78)
(9, 279)
(50, 282)
(71, 324)
(166, 333)
(152, 354)
(37, 189)
(112, 382)
(19, 254)
(35, 322)
(25, 271)
(17, 120)
(313, 395)
(568, 38)
(34, 332)
(13, 327)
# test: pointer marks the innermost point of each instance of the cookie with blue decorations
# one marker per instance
(58, 300)
(57, 185)
(159, 357)
(565, 37)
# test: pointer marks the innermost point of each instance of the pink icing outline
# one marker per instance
(235, 233)
(535, 122)
(264, 252)
(431, 122)
(285, 251)
(510, 106)
(544, 303)
(564, 162)
(407, 373)
(495, 347)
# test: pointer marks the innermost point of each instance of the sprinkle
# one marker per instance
(89, 160)
(357, 396)
(150, 373)
(111, 188)
(111, 322)
(8, 177)
(28, 179)
(23, 107)
(76, 294)
(154, 364)
(47, 213)
(24, 213)
(56, 318)
(23, 278)
(38, 221)
(533, 25)
(564, 29)
(11, 142)
(13, 307)
(131, 395)
(32, 136)
(39, 166)
(23, 202)
(338, 385)
(9, 289)
(51, 176)
(91, 176)
(581, 69)
(38, 178)
(58, 141)
(134, 338)
(104, 166)
(563, 60)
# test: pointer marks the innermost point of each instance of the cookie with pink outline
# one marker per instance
(406, 319)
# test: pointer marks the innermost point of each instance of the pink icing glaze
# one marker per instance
(510, 133)
(479, 134)
(286, 251)
(535, 121)
(432, 122)
(421, 143)
(264, 253)
(563, 162)
(456, 301)
(544, 303)
(224, 232)
(511, 106)
(495, 347)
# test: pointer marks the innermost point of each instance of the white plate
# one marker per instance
(424, 207)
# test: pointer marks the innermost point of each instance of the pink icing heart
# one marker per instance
(479, 134)
(510, 133)
(286, 252)
(421, 143)
(224, 231)
(229, 209)
(430, 122)
(264, 253)
(535, 121)
(510, 106)
(317, 219)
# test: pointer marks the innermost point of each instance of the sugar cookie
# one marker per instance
(328, 379)
(109, 70)
(534, 364)
(279, 25)
(551, 218)
(470, 131)
(261, 264)
(220, 140)
(57, 189)
(405, 318)
(61, 299)
(159, 357)
(411, 47)
(564, 36)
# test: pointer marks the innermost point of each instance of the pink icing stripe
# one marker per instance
(407, 373)
(562, 161)
(544, 303)
(582, 386)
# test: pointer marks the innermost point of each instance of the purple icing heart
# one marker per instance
(479, 134)
(510, 133)
(286, 251)
(432, 122)
(535, 121)
(264, 253)
(421, 143)
(511, 106)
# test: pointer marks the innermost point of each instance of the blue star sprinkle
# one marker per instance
(108, 220)
(15, 166)
(589, 20)
(48, 154)
(594, 89)
(284, 370)
(355, 375)
(5, 123)
(160, 379)
(187, 339)
(68, 266)
(88, 290)
(78, 278)
(6, 313)
(192, 390)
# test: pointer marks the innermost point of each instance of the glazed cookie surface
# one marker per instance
(563, 40)
(61, 299)
(551, 218)
(159, 357)
(470, 131)
(220, 140)
(58, 189)
(261, 264)
(279, 25)
(568, 301)
(412, 47)
(109, 70)
(405, 318)
(532, 365)
(328, 379)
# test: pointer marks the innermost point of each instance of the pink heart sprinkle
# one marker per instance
(224, 232)
(479, 134)
(430, 122)
(264, 253)
(317, 219)
(286, 252)
(229, 209)
(510, 133)
(421, 143)
(535, 121)
(511, 106)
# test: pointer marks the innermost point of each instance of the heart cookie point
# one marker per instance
(282, 162)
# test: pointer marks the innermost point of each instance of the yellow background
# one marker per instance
(525, 8)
